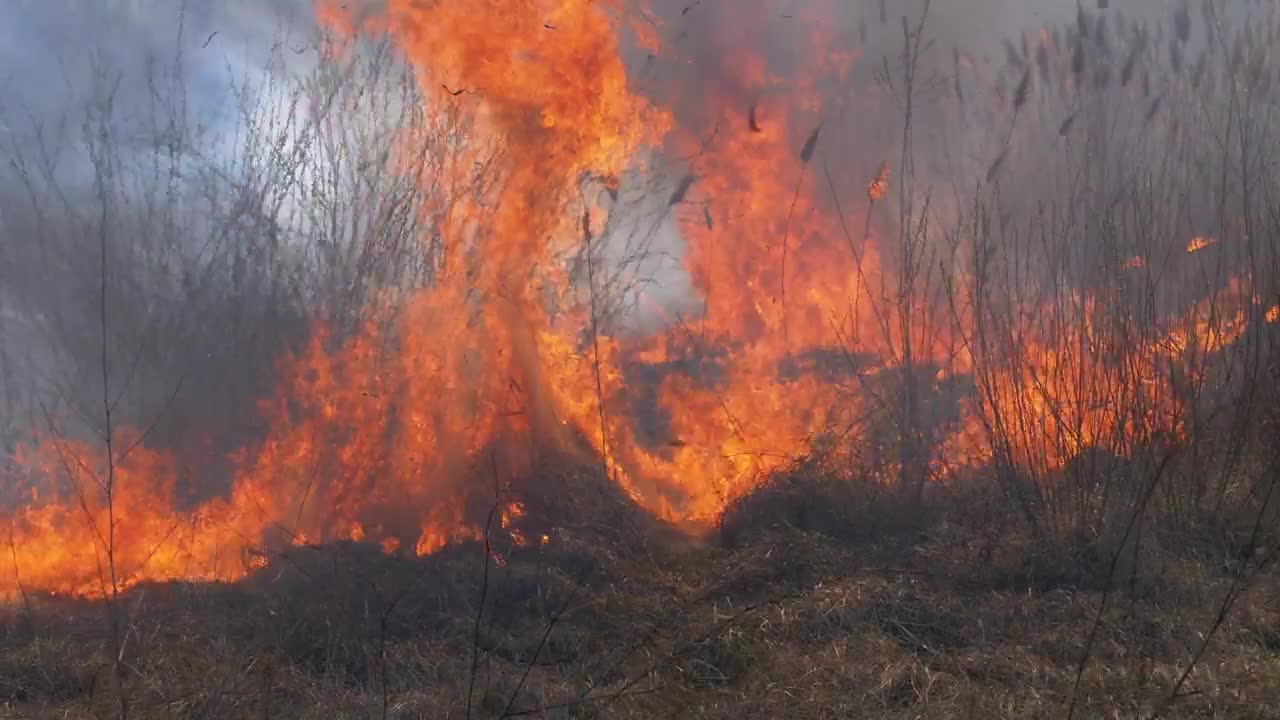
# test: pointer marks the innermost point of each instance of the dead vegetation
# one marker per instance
(961, 615)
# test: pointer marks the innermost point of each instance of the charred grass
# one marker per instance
(791, 612)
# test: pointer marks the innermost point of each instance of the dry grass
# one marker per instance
(957, 617)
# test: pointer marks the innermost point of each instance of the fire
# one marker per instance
(1273, 314)
(1199, 243)
(59, 542)
(880, 185)
(396, 433)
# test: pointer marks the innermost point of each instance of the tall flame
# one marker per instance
(381, 434)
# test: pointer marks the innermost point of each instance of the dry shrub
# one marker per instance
(818, 496)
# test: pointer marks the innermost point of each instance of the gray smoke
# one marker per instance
(50, 50)
(170, 72)
(57, 56)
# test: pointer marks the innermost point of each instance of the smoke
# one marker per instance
(51, 51)
(986, 102)
(132, 93)
(166, 244)
(822, 59)
(58, 55)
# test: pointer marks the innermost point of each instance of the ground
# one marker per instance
(947, 616)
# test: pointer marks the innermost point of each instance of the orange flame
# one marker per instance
(880, 185)
(1199, 243)
(375, 435)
